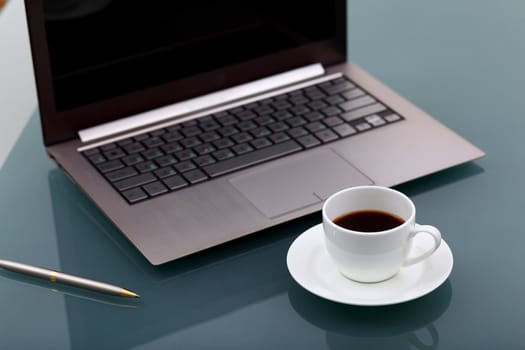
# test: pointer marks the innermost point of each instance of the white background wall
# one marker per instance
(17, 85)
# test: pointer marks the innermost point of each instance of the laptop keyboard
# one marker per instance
(185, 154)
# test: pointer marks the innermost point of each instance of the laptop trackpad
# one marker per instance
(281, 188)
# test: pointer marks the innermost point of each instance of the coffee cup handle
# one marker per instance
(430, 230)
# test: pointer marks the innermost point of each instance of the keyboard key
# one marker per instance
(146, 166)
(357, 103)
(296, 121)
(141, 137)
(153, 141)
(237, 110)
(97, 158)
(344, 130)
(260, 132)
(209, 136)
(279, 126)
(132, 159)
(204, 160)
(228, 130)
(338, 87)
(264, 120)
(252, 158)
(90, 152)
(315, 105)
(185, 166)
(279, 137)
(266, 101)
(195, 176)
(155, 188)
(315, 95)
(296, 92)
(134, 147)
(166, 160)
(185, 154)
(363, 112)
(157, 132)
(110, 166)
(135, 181)
(246, 125)
(297, 132)
(334, 100)
(392, 118)
(242, 148)
(108, 147)
(340, 80)
(281, 104)
(242, 137)
(189, 124)
(175, 182)
(315, 126)
(282, 115)
(363, 126)
(191, 131)
(114, 154)
(298, 99)
(313, 116)
(152, 153)
(308, 141)
(172, 148)
(172, 136)
(326, 135)
(209, 125)
(223, 154)
(120, 174)
(226, 119)
(261, 143)
(252, 105)
(375, 120)
(333, 121)
(245, 115)
(223, 143)
(190, 142)
(174, 127)
(263, 110)
(353, 94)
(204, 148)
(134, 195)
(165, 172)
(330, 111)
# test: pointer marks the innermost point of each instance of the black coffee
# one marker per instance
(368, 220)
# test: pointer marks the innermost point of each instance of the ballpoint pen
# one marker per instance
(59, 277)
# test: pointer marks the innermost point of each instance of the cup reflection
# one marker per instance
(406, 325)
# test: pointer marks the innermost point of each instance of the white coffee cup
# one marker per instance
(373, 256)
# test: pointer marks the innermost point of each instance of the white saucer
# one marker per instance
(311, 267)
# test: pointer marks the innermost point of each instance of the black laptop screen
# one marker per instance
(112, 58)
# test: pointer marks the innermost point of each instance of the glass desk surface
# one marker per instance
(461, 62)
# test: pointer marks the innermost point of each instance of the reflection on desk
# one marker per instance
(174, 296)
(386, 327)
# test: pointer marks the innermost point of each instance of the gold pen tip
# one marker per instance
(128, 293)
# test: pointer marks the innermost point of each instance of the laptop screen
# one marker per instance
(101, 60)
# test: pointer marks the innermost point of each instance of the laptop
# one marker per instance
(193, 124)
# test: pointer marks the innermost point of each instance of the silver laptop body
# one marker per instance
(239, 203)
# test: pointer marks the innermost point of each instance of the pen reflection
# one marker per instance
(71, 291)
(175, 296)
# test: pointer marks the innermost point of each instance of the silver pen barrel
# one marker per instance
(59, 277)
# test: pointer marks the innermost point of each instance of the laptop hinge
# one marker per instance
(157, 115)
